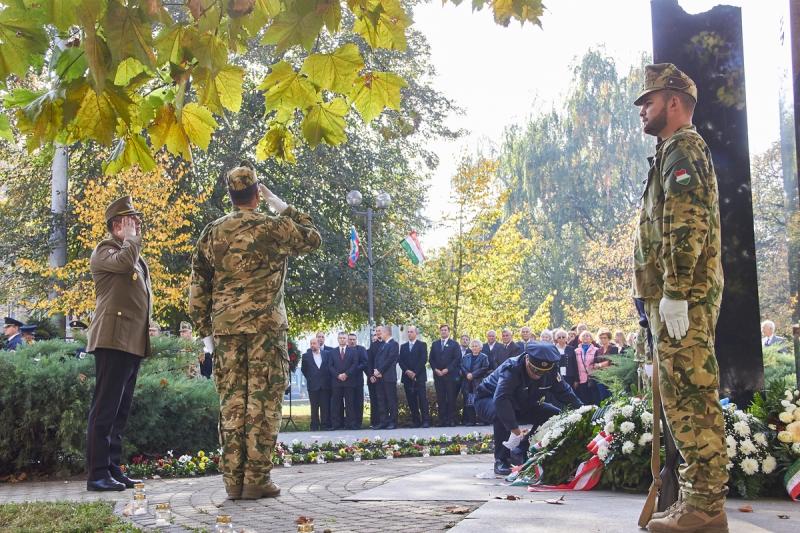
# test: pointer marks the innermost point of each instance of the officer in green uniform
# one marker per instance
(678, 274)
(237, 303)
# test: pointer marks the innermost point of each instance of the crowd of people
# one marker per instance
(336, 375)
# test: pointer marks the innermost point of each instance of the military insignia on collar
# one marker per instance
(682, 176)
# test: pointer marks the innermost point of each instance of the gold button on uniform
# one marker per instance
(119, 313)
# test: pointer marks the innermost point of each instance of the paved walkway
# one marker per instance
(308, 437)
(316, 491)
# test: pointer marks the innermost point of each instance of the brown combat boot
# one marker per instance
(665, 512)
(234, 493)
(687, 519)
(254, 492)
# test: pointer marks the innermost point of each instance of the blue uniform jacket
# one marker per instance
(15, 342)
(514, 391)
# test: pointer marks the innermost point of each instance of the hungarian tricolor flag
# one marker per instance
(792, 481)
(352, 257)
(414, 251)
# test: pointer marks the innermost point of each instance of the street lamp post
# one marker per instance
(382, 202)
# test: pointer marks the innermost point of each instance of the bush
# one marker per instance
(45, 393)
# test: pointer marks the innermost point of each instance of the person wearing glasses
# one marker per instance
(512, 395)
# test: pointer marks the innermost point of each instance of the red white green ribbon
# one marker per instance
(792, 481)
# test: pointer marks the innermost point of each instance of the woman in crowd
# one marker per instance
(546, 336)
(623, 347)
(606, 348)
(474, 367)
(587, 361)
(567, 366)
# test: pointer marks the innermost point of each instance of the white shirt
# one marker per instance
(491, 346)
(411, 345)
(317, 359)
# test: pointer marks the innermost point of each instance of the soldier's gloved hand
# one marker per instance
(273, 201)
(208, 344)
(675, 314)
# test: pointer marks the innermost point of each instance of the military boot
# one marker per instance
(267, 490)
(665, 512)
(687, 519)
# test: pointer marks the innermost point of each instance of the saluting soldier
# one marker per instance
(514, 394)
(11, 331)
(237, 296)
(118, 338)
(678, 273)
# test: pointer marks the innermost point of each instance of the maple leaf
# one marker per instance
(286, 90)
(335, 71)
(278, 142)
(376, 91)
(325, 123)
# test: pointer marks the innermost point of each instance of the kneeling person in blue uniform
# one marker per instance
(514, 394)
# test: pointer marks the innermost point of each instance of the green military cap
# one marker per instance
(121, 207)
(663, 76)
(242, 177)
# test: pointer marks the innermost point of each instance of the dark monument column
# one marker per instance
(708, 47)
(794, 207)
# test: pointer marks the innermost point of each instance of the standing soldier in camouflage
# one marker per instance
(237, 303)
(678, 273)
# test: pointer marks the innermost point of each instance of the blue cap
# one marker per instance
(542, 355)
(28, 328)
(12, 322)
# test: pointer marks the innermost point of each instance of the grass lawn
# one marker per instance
(62, 516)
(301, 415)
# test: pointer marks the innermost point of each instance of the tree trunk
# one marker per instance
(58, 210)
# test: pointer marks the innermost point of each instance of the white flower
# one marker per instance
(797, 414)
(295, 441)
(396, 446)
(610, 414)
(169, 453)
(773, 427)
(731, 452)
(769, 464)
(377, 438)
(627, 427)
(574, 418)
(786, 403)
(627, 447)
(647, 419)
(741, 415)
(637, 400)
(414, 438)
(585, 409)
(556, 432)
(545, 441)
(730, 440)
(645, 438)
(760, 438)
(785, 417)
(747, 447)
(796, 448)
(609, 428)
(749, 466)
(602, 452)
(729, 466)
(627, 411)
(741, 428)
(184, 459)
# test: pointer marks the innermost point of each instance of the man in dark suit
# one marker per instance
(321, 340)
(363, 364)
(385, 374)
(343, 366)
(315, 367)
(446, 364)
(118, 338)
(508, 348)
(492, 348)
(374, 408)
(526, 336)
(413, 358)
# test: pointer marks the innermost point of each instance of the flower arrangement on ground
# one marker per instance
(557, 448)
(627, 455)
(750, 461)
(186, 465)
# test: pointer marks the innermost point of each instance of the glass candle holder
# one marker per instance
(463, 449)
(139, 504)
(306, 527)
(138, 488)
(287, 461)
(163, 515)
(357, 456)
(321, 459)
(426, 451)
(223, 524)
(389, 453)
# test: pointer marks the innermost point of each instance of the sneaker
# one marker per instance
(685, 519)
(254, 492)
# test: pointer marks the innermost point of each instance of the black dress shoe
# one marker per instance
(125, 480)
(390, 426)
(104, 485)
(501, 468)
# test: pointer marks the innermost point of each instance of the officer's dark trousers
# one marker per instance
(359, 409)
(417, 399)
(320, 401)
(116, 373)
(387, 401)
(339, 395)
(537, 415)
(207, 366)
(446, 391)
(374, 408)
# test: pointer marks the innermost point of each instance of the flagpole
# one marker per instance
(370, 287)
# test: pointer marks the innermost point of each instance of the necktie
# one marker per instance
(341, 354)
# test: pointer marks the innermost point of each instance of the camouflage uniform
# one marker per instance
(237, 294)
(677, 255)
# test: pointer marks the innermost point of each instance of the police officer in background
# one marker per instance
(236, 301)
(11, 331)
(513, 394)
(678, 274)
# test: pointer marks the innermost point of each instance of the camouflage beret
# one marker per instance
(241, 177)
(663, 76)
(185, 326)
(121, 207)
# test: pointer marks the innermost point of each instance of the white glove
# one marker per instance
(208, 344)
(277, 205)
(675, 314)
(514, 440)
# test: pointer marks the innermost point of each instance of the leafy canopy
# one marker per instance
(133, 71)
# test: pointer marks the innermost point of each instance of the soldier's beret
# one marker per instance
(121, 207)
(242, 177)
(663, 76)
(28, 328)
(77, 324)
(542, 355)
(8, 321)
(185, 326)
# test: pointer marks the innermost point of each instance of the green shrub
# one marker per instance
(45, 393)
